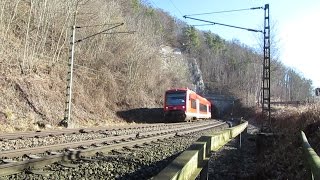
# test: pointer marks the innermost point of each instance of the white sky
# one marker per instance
(301, 45)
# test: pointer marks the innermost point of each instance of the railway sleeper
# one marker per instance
(96, 145)
(67, 164)
(130, 148)
(139, 146)
(83, 147)
(121, 152)
(89, 159)
(84, 131)
(157, 142)
(54, 153)
(7, 161)
(32, 156)
(39, 172)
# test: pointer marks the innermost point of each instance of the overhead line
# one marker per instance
(203, 24)
(176, 7)
(96, 25)
(154, 4)
(121, 32)
(217, 12)
(216, 23)
(101, 32)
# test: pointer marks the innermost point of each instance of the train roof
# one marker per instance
(177, 89)
(186, 89)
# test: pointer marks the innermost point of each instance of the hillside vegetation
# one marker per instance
(116, 71)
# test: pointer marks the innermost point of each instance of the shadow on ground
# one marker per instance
(142, 115)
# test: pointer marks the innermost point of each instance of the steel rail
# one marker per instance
(31, 134)
(50, 148)
(14, 168)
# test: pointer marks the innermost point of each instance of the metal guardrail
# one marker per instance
(313, 160)
(194, 160)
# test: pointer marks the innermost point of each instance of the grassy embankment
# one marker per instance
(284, 159)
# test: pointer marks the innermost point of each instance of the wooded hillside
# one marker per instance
(116, 71)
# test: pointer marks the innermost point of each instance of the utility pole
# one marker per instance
(67, 121)
(67, 114)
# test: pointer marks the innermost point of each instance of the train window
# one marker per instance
(203, 108)
(175, 98)
(193, 104)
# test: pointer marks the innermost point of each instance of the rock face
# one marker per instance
(196, 76)
(173, 58)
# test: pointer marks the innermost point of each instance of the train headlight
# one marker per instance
(166, 107)
(183, 107)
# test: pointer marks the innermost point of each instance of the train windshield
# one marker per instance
(175, 98)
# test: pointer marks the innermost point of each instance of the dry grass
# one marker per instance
(284, 159)
(113, 72)
(293, 119)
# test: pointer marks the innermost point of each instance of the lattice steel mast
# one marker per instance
(266, 111)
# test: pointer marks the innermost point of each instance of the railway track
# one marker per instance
(39, 134)
(38, 157)
(45, 138)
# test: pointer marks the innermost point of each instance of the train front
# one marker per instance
(175, 105)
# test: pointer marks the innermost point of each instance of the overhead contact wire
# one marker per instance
(227, 11)
(176, 7)
(101, 32)
(216, 23)
(97, 25)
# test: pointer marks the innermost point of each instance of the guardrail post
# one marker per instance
(239, 140)
(204, 172)
(310, 175)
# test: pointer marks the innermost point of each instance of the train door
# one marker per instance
(198, 108)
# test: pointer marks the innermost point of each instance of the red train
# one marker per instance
(185, 105)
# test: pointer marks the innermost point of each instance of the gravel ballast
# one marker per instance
(140, 162)
(232, 162)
